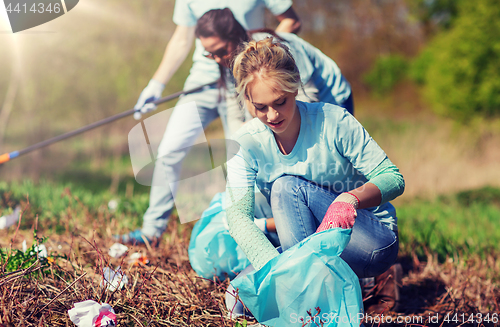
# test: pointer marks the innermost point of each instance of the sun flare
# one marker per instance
(4, 19)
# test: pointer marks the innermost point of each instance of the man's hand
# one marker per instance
(151, 93)
(175, 53)
(289, 22)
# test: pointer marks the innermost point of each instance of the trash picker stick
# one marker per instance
(14, 154)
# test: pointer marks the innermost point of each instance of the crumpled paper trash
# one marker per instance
(9, 220)
(112, 205)
(114, 279)
(92, 314)
(138, 258)
(117, 250)
(40, 249)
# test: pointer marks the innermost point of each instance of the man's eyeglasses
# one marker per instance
(221, 53)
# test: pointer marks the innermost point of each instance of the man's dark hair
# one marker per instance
(221, 23)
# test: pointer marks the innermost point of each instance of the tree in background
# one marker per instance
(460, 68)
(435, 15)
(355, 33)
(387, 71)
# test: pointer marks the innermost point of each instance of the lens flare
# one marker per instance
(4, 19)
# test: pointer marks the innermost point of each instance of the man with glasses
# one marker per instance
(182, 129)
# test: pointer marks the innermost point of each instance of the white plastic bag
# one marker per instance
(92, 314)
(117, 250)
(41, 250)
(9, 220)
(114, 280)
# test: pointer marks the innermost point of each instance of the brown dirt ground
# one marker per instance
(167, 292)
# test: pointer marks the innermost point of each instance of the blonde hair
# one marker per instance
(265, 60)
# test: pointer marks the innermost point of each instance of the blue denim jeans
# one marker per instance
(299, 206)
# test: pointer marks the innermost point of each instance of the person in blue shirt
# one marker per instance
(220, 33)
(183, 128)
(314, 162)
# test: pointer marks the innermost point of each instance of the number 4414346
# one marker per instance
(476, 318)
(35, 8)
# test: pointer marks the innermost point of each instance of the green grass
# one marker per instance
(65, 206)
(86, 175)
(14, 259)
(462, 224)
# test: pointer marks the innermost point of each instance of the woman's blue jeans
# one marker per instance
(298, 207)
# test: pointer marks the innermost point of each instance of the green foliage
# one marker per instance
(17, 259)
(14, 260)
(419, 67)
(386, 73)
(463, 224)
(243, 324)
(463, 71)
(438, 12)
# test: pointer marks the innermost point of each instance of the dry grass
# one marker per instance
(432, 291)
(167, 292)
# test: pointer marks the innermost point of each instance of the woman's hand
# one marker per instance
(341, 213)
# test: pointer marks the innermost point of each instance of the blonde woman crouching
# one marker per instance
(314, 162)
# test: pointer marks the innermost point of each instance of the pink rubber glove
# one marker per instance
(341, 213)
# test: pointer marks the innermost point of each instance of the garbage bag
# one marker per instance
(310, 276)
(212, 251)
